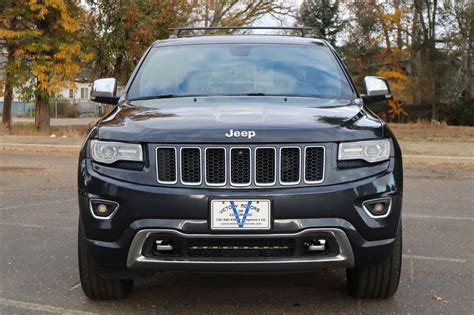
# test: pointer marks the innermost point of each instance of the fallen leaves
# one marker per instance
(435, 296)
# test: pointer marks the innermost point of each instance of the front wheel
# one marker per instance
(378, 281)
(94, 286)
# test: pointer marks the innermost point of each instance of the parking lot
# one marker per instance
(39, 274)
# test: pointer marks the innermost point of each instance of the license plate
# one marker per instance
(239, 214)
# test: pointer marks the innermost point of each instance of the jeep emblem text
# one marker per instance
(244, 134)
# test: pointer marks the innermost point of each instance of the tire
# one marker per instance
(94, 286)
(378, 281)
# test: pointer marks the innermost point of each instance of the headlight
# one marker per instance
(110, 152)
(370, 151)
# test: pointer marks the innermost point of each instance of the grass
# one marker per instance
(425, 132)
(28, 129)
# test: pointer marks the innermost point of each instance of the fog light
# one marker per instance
(378, 208)
(102, 209)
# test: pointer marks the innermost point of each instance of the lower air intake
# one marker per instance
(241, 247)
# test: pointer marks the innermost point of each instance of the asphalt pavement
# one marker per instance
(38, 255)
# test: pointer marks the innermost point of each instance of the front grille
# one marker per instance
(265, 247)
(314, 164)
(240, 166)
(166, 165)
(250, 166)
(265, 159)
(191, 166)
(215, 166)
(290, 162)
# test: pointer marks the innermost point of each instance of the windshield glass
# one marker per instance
(241, 69)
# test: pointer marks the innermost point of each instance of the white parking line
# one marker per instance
(435, 258)
(441, 217)
(37, 204)
(38, 226)
(40, 307)
(438, 157)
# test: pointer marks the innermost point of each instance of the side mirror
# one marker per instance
(105, 91)
(377, 89)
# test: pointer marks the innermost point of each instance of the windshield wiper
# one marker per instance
(255, 94)
(144, 98)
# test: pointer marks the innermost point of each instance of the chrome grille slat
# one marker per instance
(240, 166)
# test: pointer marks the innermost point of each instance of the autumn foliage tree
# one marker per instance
(15, 33)
(44, 40)
(378, 44)
(55, 54)
(118, 32)
(424, 48)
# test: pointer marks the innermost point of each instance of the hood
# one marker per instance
(239, 120)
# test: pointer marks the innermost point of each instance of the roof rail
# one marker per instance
(178, 30)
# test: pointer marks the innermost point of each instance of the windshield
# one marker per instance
(240, 69)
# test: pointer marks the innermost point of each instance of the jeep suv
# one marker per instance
(240, 153)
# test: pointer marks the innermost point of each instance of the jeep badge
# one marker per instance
(243, 134)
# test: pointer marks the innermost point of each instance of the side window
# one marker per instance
(71, 93)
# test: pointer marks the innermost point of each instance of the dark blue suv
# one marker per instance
(240, 153)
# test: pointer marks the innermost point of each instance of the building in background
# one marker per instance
(77, 97)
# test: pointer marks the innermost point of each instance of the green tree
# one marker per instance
(323, 16)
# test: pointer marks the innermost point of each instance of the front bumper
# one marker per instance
(185, 211)
(342, 258)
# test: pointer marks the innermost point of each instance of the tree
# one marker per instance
(424, 42)
(361, 49)
(14, 32)
(119, 32)
(55, 54)
(323, 16)
(9, 83)
(236, 12)
(458, 37)
(48, 48)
